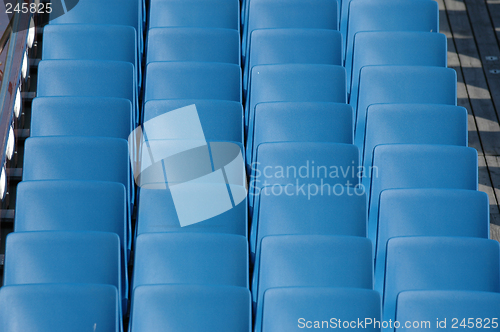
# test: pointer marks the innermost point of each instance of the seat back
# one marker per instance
(317, 303)
(81, 116)
(157, 213)
(428, 212)
(59, 307)
(275, 46)
(191, 308)
(301, 122)
(402, 84)
(451, 307)
(202, 14)
(413, 48)
(439, 263)
(400, 166)
(262, 14)
(191, 258)
(389, 15)
(193, 80)
(221, 120)
(193, 44)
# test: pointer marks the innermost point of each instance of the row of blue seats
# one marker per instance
(66, 262)
(411, 170)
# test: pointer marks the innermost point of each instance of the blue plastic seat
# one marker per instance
(193, 80)
(300, 122)
(262, 14)
(402, 84)
(193, 44)
(388, 15)
(87, 78)
(91, 42)
(295, 308)
(64, 257)
(59, 307)
(412, 124)
(197, 13)
(221, 120)
(439, 263)
(293, 83)
(81, 116)
(156, 213)
(401, 166)
(394, 48)
(113, 12)
(476, 310)
(311, 261)
(191, 258)
(77, 158)
(191, 308)
(334, 165)
(275, 46)
(428, 212)
(282, 210)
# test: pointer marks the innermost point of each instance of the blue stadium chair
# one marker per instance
(64, 257)
(439, 263)
(87, 78)
(59, 307)
(275, 46)
(394, 48)
(401, 84)
(193, 44)
(311, 261)
(263, 14)
(293, 83)
(112, 12)
(221, 120)
(81, 116)
(193, 80)
(282, 210)
(309, 165)
(300, 122)
(388, 15)
(428, 212)
(202, 14)
(91, 42)
(191, 258)
(454, 309)
(295, 308)
(189, 308)
(400, 166)
(77, 158)
(412, 124)
(156, 213)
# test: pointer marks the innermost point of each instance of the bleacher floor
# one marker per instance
(473, 31)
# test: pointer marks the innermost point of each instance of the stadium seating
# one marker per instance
(60, 307)
(375, 48)
(193, 44)
(300, 122)
(191, 308)
(400, 166)
(284, 210)
(81, 116)
(401, 84)
(276, 46)
(285, 261)
(285, 308)
(430, 212)
(439, 263)
(191, 258)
